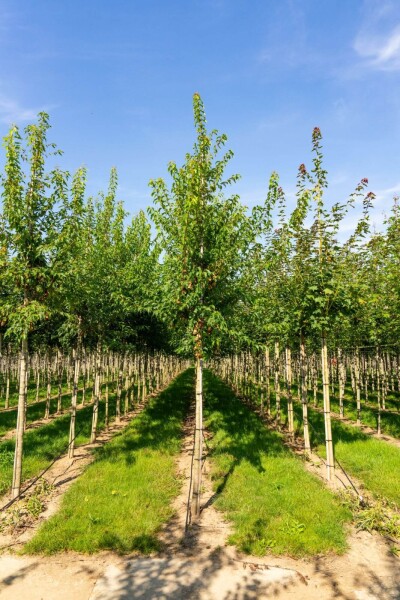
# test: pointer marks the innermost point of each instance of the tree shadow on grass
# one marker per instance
(46, 443)
(245, 438)
(144, 543)
(34, 412)
(158, 428)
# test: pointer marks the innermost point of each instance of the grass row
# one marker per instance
(36, 411)
(390, 421)
(374, 462)
(31, 391)
(44, 444)
(125, 495)
(123, 498)
(392, 401)
(274, 504)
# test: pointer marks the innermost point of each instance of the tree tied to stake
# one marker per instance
(204, 238)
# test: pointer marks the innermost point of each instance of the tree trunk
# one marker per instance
(267, 374)
(106, 416)
(288, 356)
(303, 385)
(330, 460)
(19, 437)
(96, 397)
(74, 400)
(342, 381)
(198, 442)
(357, 384)
(7, 401)
(277, 387)
(60, 375)
(48, 388)
(119, 386)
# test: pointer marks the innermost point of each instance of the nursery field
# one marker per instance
(202, 385)
(45, 443)
(125, 495)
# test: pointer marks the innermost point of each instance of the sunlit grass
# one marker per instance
(274, 504)
(31, 391)
(36, 411)
(124, 497)
(45, 443)
(374, 462)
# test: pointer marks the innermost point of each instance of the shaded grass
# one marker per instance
(35, 411)
(125, 495)
(31, 391)
(275, 506)
(374, 462)
(47, 442)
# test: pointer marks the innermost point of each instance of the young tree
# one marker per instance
(30, 225)
(204, 238)
(328, 297)
(71, 290)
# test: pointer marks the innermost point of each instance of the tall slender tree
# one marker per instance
(30, 225)
(205, 238)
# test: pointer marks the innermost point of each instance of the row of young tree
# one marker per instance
(215, 280)
(358, 381)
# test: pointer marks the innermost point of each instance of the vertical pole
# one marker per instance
(330, 459)
(19, 438)
(198, 442)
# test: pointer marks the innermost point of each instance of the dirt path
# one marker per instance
(196, 562)
(199, 564)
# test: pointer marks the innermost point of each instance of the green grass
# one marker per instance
(274, 504)
(374, 462)
(124, 497)
(31, 391)
(44, 444)
(390, 421)
(35, 411)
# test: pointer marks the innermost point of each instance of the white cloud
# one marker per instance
(381, 51)
(378, 39)
(388, 193)
(12, 112)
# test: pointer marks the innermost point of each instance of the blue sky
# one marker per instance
(118, 77)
